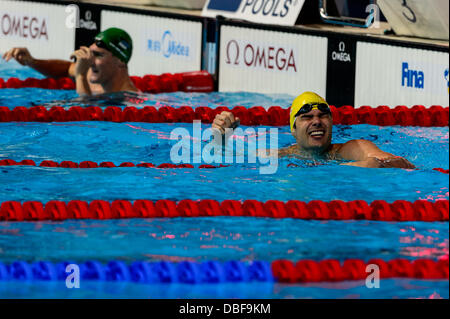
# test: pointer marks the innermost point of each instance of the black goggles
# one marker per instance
(323, 107)
(101, 44)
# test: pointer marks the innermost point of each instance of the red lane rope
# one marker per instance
(379, 210)
(445, 171)
(200, 81)
(90, 164)
(418, 115)
(331, 270)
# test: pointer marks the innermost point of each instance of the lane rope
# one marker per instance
(418, 115)
(214, 272)
(91, 164)
(378, 210)
(199, 81)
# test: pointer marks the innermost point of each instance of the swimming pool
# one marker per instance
(222, 238)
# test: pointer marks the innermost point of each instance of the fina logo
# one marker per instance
(412, 78)
(446, 78)
(168, 46)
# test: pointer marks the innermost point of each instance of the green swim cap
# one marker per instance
(117, 41)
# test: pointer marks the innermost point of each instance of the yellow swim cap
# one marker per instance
(302, 99)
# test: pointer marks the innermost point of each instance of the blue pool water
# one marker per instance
(220, 238)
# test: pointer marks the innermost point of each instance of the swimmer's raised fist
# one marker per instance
(225, 120)
(83, 60)
(22, 55)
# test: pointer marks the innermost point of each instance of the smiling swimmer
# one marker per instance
(311, 124)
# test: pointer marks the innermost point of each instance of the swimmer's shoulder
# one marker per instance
(350, 145)
(335, 151)
(347, 150)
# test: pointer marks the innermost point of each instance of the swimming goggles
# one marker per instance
(101, 44)
(323, 107)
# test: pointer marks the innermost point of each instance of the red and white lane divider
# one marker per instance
(199, 81)
(332, 270)
(418, 115)
(90, 164)
(379, 210)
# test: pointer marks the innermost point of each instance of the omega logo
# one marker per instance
(258, 56)
(341, 55)
(23, 26)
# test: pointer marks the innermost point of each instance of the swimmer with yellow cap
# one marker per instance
(311, 124)
(99, 68)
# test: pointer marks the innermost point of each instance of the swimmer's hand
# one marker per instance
(22, 55)
(391, 162)
(225, 120)
(83, 60)
(396, 162)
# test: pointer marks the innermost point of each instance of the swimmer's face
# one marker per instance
(313, 131)
(104, 65)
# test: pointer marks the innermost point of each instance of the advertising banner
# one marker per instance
(341, 70)
(271, 62)
(160, 45)
(391, 75)
(44, 29)
(279, 12)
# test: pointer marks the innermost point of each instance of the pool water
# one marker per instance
(218, 238)
(144, 142)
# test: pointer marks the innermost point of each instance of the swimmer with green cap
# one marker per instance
(104, 63)
(311, 124)
(101, 68)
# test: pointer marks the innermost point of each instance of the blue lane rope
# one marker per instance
(142, 272)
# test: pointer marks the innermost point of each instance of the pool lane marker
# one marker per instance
(213, 272)
(378, 210)
(197, 81)
(90, 164)
(418, 115)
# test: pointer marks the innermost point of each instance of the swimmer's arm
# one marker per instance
(52, 68)
(366, 154)
(71, 70)
(83, 60)
(49, 68)
(225, 123)
(94, 88)
(82, 85)
(369, 163)
(61, 68)
(81, 82)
